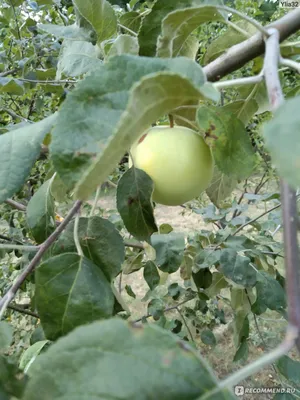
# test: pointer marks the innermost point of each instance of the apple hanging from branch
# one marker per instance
(178, 161)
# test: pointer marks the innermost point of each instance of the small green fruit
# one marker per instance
(178, 161)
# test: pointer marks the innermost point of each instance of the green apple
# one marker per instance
(178, 161)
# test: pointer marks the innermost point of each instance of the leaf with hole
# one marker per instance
(229, 140)
(134, 203)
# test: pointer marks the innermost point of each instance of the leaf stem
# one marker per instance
(95, 202)
(76, 236)
(15, 204)
(252, 21)
(10, 294)
(128, 30)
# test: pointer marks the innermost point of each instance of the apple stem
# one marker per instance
(171, 119)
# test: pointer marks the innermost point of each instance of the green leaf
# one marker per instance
(101, 15)
(66, 32)
(131, 20)
(189, 48)
(134, 204)
(208, 337)
(240, 327)
(19, 150)
(228, 39)
(124, 44)
(202, 278)
(119, 351)
(179, 24)
(6, 335)
(242, 351)
(40, 213)
(237, 268)
(290, 369)
(151, 275)
(156, 308)
(244, 110)
(30, 354)
(71, 291)
(270, 292)
(258, 93)
(100, 242)
(218, 283)
(206, 258)
(229, 140)
(76, 58)
(169, 251)
(11, 86)
(11, 383)
(221, 187)
(239, 299)
(105, 123)
(151, 24)
(129, 291)
(281, 134)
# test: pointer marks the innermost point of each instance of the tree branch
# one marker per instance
(15, 204)
(240, 54)
(10, 294)
(288, 195)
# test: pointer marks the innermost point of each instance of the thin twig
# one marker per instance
(290, 63)
(252, 21)
(10, 294)
(15, 204)
(165, 310)
(249, 80)
(256, 218)
(18, 247)
(47, 82)
(237, 56)
(95, 202)
(261, 362)
(14, 115)
(23, 310)
(76, 236)
(128, 30)
(185, 324)
(9, 72)
(9, 239)
(135, 245)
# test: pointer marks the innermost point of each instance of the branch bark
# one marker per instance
(288, 195)
(8, 297)
(238, 55)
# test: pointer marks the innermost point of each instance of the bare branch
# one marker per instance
(251, 80)
(8, 297)
(240, 54)
(288, 195)
(15, 204)
(290, 63)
